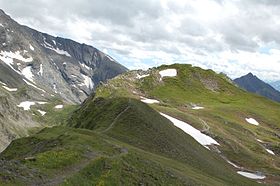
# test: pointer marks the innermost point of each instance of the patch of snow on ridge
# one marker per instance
(58, 106)
(149, 101)
(41, 70)
(270, 151)
(110, 58)
(3, 83)
(26, 105)
(62, 52)
(57, 50)
(252, 121)
(9, 89)
(251, 175)
(31, 47)
(197, 107)
(142, 76)
(28, 83)
(27, 73)
(196, 134)
(168, 73)
(42, 102)
(88, 82)
(85, 66)
(8, 61)
(15, 55)
(42, 112)
(236, 166)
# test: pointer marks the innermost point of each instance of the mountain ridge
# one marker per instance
(39, 71)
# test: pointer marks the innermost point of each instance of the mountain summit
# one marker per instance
(253, 84)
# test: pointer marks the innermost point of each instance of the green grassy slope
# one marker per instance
(115, 139)
(139, 125)
(66, 156)
(223, 117)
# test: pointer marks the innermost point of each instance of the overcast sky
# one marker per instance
(233, 36)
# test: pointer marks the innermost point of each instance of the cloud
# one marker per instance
(234, 37)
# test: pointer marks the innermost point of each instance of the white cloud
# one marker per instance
(235, 37)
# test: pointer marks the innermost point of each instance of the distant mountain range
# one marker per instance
(253, 84)
(276, 85)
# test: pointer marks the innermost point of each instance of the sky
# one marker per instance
(233, 36)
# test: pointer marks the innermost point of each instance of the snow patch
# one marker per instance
(88, 82)
(42, 112)
(251, 175)
(9, 89)
(57, 50)
(41, 70)
(149, 101)
(9, 61)
(31, 47)
(28, 83)
(261, 141)
(3, 83)
(54, 88)
(26, 105)
(27, 73)
(233, 164)
(42, 102)
(196, 134)
(142, 76)
(110, 58)
(197, 108)
(85, 66)
(252, 121)
(168, 73)
(270, 151)
(58, 106)
(15, 55)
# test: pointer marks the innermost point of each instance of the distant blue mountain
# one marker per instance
(253, 84)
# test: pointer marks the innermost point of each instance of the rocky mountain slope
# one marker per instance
(60, 66)
(170, 125)
(253, 84)
(37, 68)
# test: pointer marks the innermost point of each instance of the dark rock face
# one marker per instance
(253, 84)
(59, 66)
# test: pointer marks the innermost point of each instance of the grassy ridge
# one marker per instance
(225, 108)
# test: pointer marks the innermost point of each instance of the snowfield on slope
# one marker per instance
(168, 73)
(27, 73)
(252, 121)
(149, 101)
(251, 175)
(197, 108)
(196, 134)
(26, 105)
(42, 112)
(270, 151)
(15, 55)
(9, 89)
(58, 106)
(142, 76)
